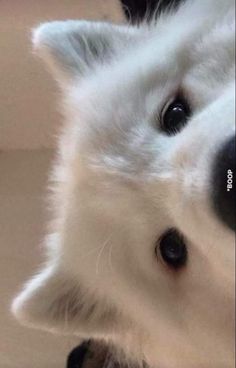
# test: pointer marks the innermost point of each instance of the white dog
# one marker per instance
(142, 250)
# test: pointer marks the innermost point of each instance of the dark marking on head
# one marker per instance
(137, 10)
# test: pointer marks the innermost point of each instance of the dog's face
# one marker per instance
(143, 250)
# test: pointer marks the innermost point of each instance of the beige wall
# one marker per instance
(22, 221)
(27, 121)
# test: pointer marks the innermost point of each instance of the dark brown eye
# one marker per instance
(175, 116)
(173, 249)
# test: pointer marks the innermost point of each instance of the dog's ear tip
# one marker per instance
(47, 33)
(41, 34)
(16, 309)
(37, 35)
(20, 312)
(29, 305)
(72, 47)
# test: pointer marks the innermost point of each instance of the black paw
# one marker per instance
(77, 356)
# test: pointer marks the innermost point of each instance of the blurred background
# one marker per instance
(28, 123)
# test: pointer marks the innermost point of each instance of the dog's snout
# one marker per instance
(224, 186)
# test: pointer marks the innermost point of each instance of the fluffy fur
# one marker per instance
(119, 183)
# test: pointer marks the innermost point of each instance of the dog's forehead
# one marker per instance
(160, 62)
(213, 61)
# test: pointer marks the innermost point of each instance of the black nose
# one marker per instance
(224, 194)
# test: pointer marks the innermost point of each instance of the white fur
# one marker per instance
(119, 183)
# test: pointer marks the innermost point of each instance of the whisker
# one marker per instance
(90, 252)
(100, 254)
(110, 256)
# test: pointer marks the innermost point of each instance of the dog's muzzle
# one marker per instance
(224, 184)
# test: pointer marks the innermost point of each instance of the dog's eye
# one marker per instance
(174, 116)
(173, 249)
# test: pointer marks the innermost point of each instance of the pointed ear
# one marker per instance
(54, 301)
(72, 48)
